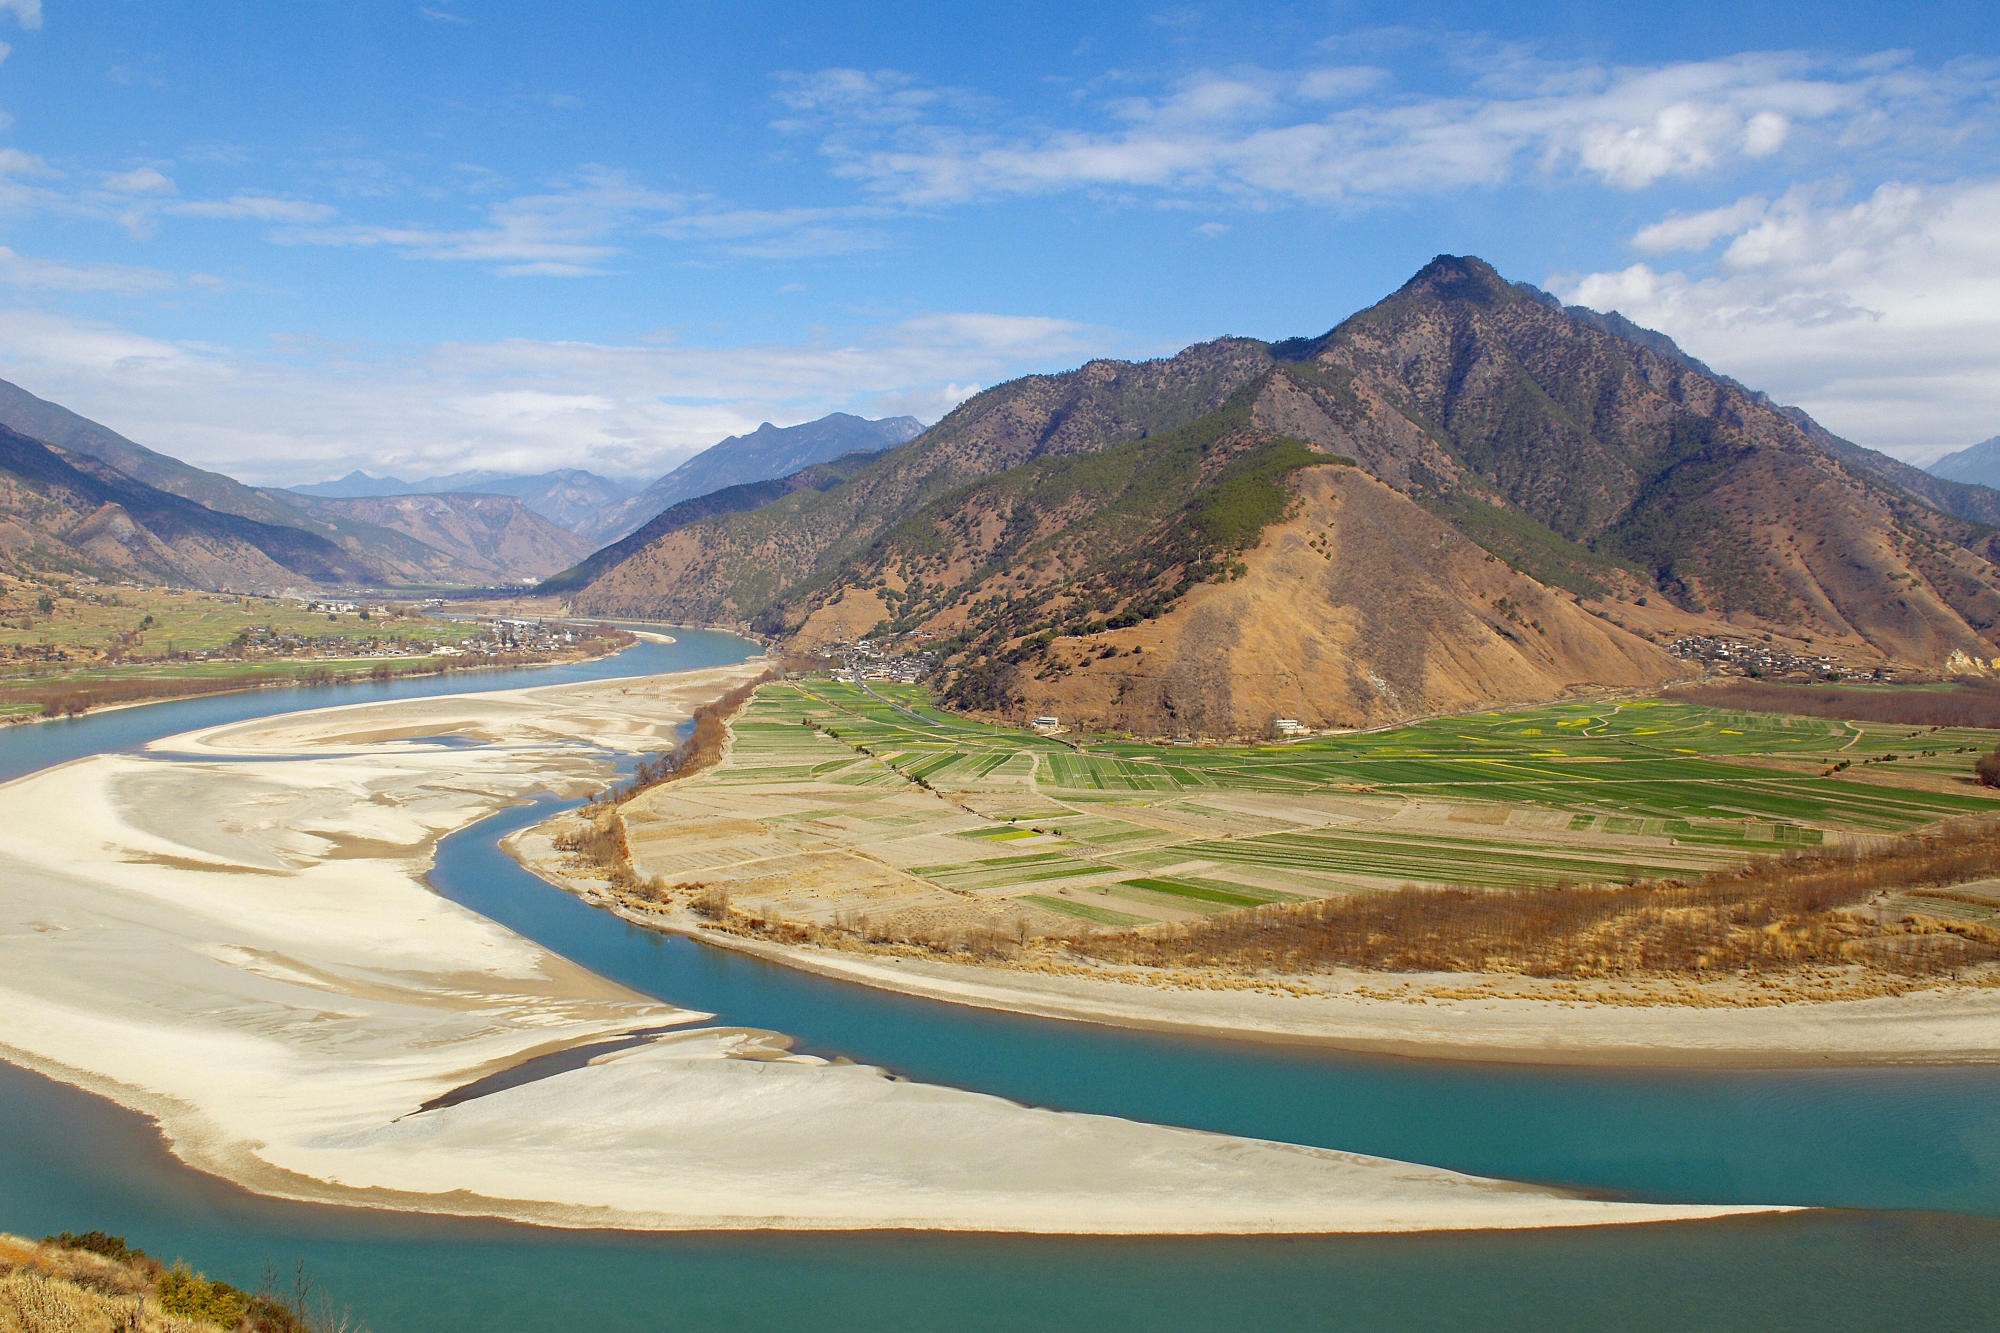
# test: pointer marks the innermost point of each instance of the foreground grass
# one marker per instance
(96, 1283)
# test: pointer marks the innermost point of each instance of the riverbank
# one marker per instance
(1428, 1016)
(163, 689)
(231, 934)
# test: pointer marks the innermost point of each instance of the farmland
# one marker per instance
(66, 647)
(872, 810)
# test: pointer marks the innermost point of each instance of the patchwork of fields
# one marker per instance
(841, 804)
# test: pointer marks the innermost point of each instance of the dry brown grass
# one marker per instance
(1773, 915)
(63, 1285)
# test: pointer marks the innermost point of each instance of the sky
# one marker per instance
(288, 240)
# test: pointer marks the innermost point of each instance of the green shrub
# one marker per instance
(184, 1292)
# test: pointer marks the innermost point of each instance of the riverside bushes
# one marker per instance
(94, 1280)
(598, 837)
(1773, 914)
(1966, 703)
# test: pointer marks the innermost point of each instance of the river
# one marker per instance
(1906, 1161)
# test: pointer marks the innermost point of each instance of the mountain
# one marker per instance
(62, 512)
(1465, 494)
(1979, 464)
(357, 485)
(729, 500)
(571, 498)
(152, 506)
(735, 567)
(456, 538)
(39, 419)
(766, 453)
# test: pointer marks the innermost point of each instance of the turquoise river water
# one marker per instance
(1905, 1163)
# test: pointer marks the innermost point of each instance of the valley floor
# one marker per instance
(231, 933)
(858, 832)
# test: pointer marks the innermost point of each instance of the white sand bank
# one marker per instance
(240, 944)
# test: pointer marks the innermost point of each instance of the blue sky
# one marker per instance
(288, 239)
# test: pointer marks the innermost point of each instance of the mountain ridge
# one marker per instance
(765, 454)
(1588, 493)
(142, 505)
(1978, 464)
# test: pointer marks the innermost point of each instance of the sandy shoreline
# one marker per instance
(1927, 1028)
(232, 934)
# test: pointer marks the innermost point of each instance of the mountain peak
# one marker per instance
(1460, 278)
(1978, 463)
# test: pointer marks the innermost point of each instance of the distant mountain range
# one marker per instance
(767, 452)
(571, 498)
(601, 509)
(1978, 464)
(1465, 494)
(77, 497)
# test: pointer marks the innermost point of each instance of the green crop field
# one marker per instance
(1117, 832)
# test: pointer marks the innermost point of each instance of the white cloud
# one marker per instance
(27, 12)
(1879, 315)
(580, 229)
(784, 233)
(140, 180)
(14, 162)
(308, 412)
(252, 208)
(1269, 135)
(564, 232)
(1338, 83)
(1698, 231)
(928, 405)
(28, 273)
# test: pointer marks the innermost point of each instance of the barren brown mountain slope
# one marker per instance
(1359, 609)
(1462, 495)
(71, 513)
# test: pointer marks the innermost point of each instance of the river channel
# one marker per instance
(1904, 1163)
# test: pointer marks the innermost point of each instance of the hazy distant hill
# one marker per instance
(459, 538)
(63, 512)
(571, 498)
(79, 495)
(766, 453)
(357, 485)
(1978, 464)
(39, 419)
(1464, 494)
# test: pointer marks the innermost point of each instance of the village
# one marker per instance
(1738, 658)
(865, 660)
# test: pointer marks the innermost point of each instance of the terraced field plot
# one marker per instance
(845, 803)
